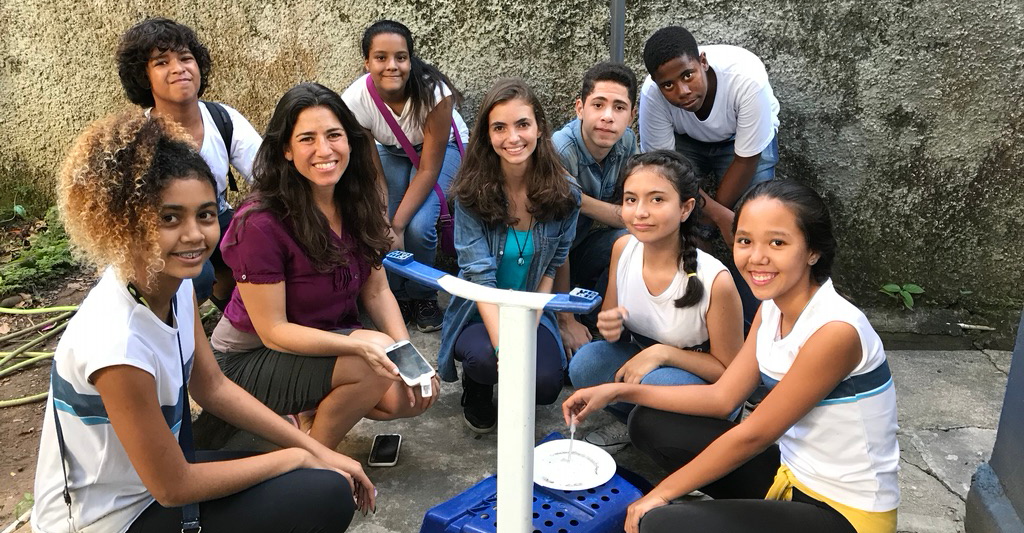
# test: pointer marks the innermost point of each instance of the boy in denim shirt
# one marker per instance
(593, 148)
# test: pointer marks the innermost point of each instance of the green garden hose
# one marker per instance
(29, 358)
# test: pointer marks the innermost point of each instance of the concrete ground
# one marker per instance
(949, 405)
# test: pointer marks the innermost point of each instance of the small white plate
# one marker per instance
(589, 467)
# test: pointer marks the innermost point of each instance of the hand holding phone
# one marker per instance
(412, 367)
(384, 451)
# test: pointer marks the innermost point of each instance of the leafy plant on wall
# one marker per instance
(904, 293)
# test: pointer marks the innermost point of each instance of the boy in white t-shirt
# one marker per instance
(714, 105)
(164, 67)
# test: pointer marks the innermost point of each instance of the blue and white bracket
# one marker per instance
(577, 301)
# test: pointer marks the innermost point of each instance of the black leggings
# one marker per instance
(300, 501)
(673, 440)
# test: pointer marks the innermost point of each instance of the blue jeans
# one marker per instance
(421, 233)
(714, 159)
(590, 258)
(474, 349)
(597, 362)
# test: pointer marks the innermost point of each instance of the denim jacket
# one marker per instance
(480, 248)
(598, 180)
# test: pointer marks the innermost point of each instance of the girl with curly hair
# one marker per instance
(515, 218)
(165, 68)
(420, 133)
(304, 249)
(116, 454)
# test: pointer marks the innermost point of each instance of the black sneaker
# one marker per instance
(478, 406)
(427, 315)
(405, 306)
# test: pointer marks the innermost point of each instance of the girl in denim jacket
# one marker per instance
(515, 218)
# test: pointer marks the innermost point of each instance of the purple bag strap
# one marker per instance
(407, 147)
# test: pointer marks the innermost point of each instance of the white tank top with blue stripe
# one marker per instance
(845, 448)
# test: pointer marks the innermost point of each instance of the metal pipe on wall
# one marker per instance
(617, 43)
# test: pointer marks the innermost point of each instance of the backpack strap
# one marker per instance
(222, 120)
(61, 446)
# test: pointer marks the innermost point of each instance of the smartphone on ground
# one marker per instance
(384, 451)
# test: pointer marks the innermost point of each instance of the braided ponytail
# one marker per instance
(688, 259)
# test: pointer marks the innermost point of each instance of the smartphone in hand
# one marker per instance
(412, 366)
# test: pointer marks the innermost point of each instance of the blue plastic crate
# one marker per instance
(598, 510)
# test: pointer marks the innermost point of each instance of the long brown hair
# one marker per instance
(479, 185)
(280, 189)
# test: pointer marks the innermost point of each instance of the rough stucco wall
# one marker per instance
(907, 115)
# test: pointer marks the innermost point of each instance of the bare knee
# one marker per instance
(395, 404)
(380, 339)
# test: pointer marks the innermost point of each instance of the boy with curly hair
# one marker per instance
(166, 69)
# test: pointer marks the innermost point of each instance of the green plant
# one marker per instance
(903, 292)
(24, 505)
(47, 258)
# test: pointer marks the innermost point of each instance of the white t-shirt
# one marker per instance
(745, 107)
(110, 329)
(245, 142)
(845, 448)
(357, 98)
(655, 315)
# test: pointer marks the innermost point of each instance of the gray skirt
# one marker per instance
(284, 382)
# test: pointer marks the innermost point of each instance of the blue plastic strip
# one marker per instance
(577, 301)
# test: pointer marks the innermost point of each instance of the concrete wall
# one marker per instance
(907, 115)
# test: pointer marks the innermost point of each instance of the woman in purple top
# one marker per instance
(307, 244)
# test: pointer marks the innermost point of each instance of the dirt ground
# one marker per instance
(20, 425)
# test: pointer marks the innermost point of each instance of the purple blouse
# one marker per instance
(264, 251)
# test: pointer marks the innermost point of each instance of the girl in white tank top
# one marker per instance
(671, 314)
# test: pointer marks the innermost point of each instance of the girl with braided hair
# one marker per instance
(671, 315)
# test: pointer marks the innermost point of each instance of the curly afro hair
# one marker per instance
(109, 189)
(138, 43)
(667, 44)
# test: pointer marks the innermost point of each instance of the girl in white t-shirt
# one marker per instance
(139, 201)
(671, 315)
(419, 101)
(819, 454)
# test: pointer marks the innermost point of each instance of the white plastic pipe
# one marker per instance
(517, 377)
(517, 386)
